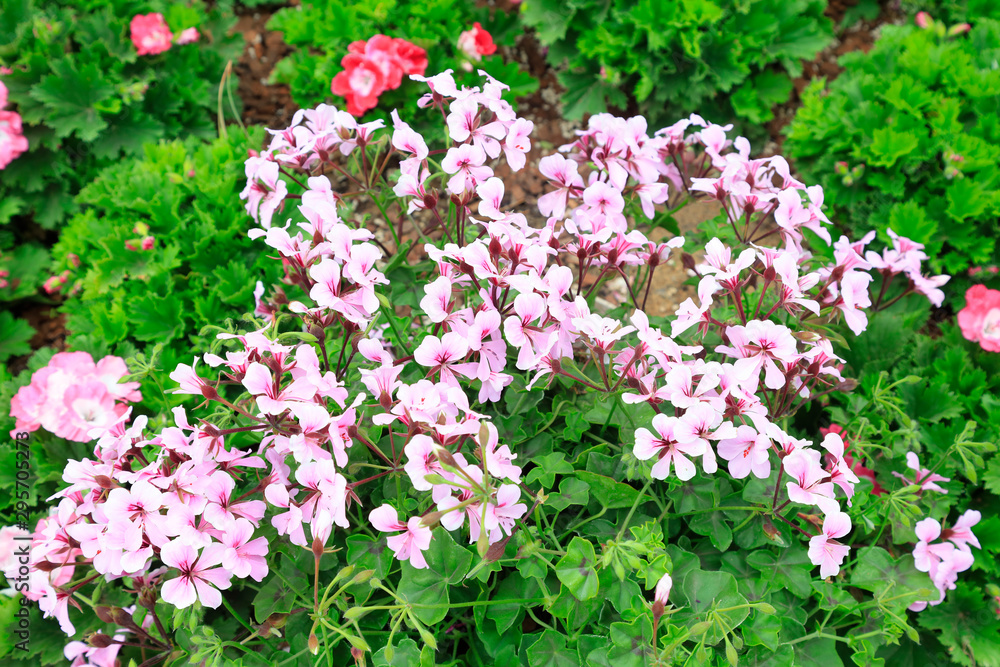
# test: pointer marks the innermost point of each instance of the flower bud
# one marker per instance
(362, 576)
(663, 587)
(313, 643)
(849, 384)
(46, 566)
(147, 598)
(99, 640)
(104, 613)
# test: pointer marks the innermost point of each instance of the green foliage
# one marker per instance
(201, 271)
(951, 12)
(722, 59)
(919, 112)
(87, 99)
(937, 397)
(14, 336)
(321, 30)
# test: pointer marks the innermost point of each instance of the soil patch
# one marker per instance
(264, 103)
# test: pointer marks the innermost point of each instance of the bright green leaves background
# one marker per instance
(86, 99)
(919, 112)
(717, 58)
(321, 30)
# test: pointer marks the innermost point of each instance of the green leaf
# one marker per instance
(576, 569)
(702, 592)
(966, 199)
(550, 651)
(888, 146)
(611, 493)
(447, 564)
(909, 219)
(277, 597)
(14, 336)
(817, 653)
(788, 569)
(632, 643)
(71, 96)
(513, 587)
(156, 318)
(367, 554)
(878, 572)
(404, 654)
(572, 491)
(547, 468)
(966, 624)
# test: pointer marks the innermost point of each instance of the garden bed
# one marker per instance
(478, 404)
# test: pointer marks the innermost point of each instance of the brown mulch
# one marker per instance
(264, 103)
(50, 331)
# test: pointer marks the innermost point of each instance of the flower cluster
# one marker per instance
(72, 396)
(181, 512)
(980, 319)
(373, 67)
(944, 553)
(511, 291)
(151, 35)
(12, 141)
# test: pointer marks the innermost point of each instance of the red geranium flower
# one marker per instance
(476, 43)
(361, 82)
(412, 58)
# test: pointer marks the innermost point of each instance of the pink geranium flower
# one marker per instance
(244, 557)
(666, 449)
(410, 544)
(361, 82)
(72, 396)
(12, 142)
(980, 319)
(150, 34)
(199, 580)
(924, 478)
(188, 36)
(824, 550)
(747, 452)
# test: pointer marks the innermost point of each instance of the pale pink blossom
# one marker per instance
(824, 550)
(242, 556)
(748, 452)
(410, 544)
(199, 579)
(667, 450)
(924, 478)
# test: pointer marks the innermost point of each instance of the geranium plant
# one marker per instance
(359, 53)
(434, 435)
(904, 141)
(86, 84)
